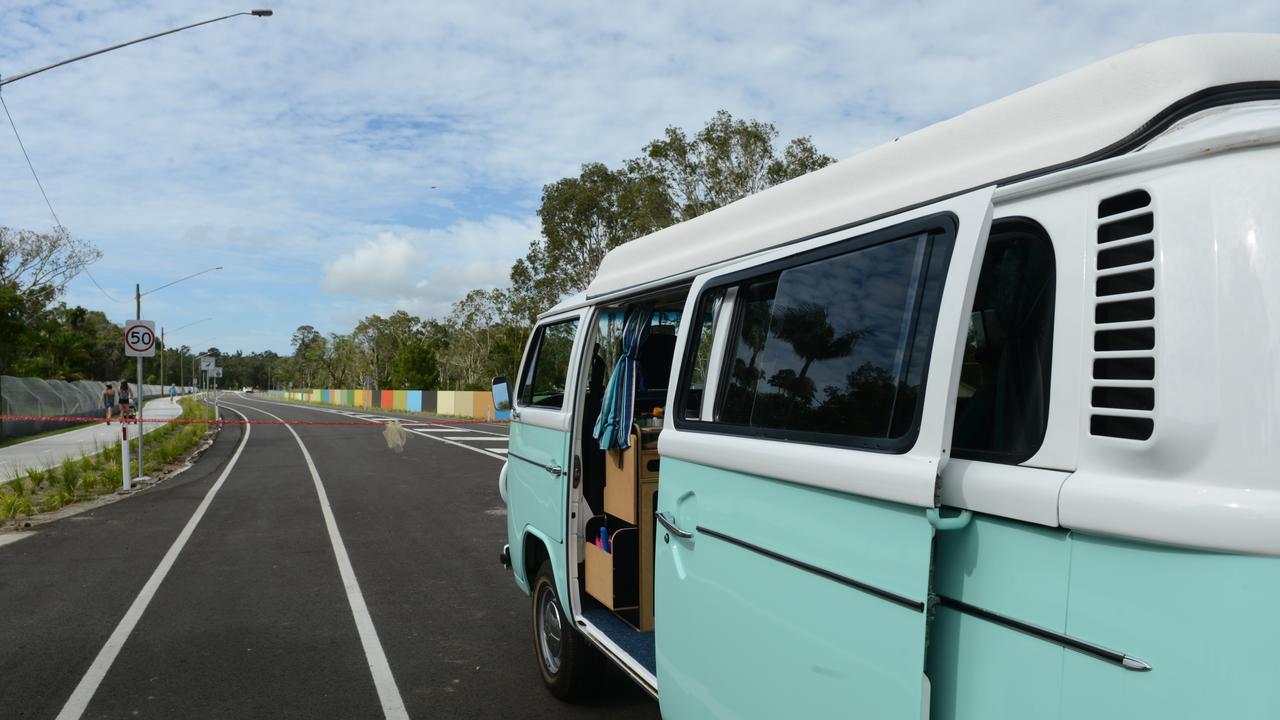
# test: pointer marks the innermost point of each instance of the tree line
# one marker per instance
(675, 178)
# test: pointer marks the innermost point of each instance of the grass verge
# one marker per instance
(34, 491)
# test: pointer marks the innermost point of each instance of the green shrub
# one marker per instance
(36, 478)
(60, 497)
(8, 505)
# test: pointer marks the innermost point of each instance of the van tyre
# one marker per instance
(563, 655)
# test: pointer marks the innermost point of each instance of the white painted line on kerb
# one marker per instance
(383, 680)
(83, 693)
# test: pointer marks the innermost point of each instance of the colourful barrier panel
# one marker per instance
(458, 403)
(483, 405)
(444, 402)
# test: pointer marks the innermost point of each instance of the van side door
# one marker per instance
(800, 461)
(538, 450)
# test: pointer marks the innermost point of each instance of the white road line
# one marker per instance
(436, 430)
(490, 438)
(450, 441)
(84, 692)
(383, 680)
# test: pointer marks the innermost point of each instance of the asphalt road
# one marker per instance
(221, 593)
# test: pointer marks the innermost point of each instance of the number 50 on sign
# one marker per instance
(139, 338)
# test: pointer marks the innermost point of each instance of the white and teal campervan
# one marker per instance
(981, 423)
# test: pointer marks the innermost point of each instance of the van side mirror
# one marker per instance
(501, 398)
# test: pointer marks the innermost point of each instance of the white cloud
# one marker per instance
(378, 268)
(424, 272)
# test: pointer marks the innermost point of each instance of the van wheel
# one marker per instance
(562, 653)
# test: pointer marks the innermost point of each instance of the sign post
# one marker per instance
(139, 342)
(215, 372)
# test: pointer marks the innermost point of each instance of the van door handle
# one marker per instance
(554, 469)
(670, 524)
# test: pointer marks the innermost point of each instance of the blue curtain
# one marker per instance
(613, 427)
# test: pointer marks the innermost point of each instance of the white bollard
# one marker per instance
(124, 456)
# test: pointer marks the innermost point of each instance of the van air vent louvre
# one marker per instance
(1123, 395)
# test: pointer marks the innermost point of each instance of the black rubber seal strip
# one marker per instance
(881, 593)
(1097, 651)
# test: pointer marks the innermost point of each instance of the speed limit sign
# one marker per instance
(139, 338)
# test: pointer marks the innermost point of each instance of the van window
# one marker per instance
(547, 367)
(830, 347)
(700, 371)
(1002, 404)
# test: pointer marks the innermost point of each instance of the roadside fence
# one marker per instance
(29, 406)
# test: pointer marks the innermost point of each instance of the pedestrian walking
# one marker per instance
(126, 399)
(108, 400)
(173, 392)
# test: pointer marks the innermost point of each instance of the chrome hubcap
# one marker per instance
(550, 633)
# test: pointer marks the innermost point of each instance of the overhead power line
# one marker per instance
(34, 174)
(56, 220)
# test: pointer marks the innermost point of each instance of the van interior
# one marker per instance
(617, 496)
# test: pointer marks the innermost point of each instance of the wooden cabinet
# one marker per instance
(623, 579)
(624, 469)
(610, 577)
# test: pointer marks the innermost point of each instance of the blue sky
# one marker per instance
(341, 159)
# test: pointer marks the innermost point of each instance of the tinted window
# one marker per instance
(833, 349)
(1002, 404)
(547, 367)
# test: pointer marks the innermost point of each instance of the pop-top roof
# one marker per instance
(1099, 111)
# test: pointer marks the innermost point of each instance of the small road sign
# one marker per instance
(215, 372)
(139, 338)
(207, 363)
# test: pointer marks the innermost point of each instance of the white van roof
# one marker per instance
(1108, 108)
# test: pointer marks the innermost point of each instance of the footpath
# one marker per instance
(46, 452)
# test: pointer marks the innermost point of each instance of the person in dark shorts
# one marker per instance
(126, 399)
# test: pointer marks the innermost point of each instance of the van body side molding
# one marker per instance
(1081, 646)
(881, 593)
(553, 469)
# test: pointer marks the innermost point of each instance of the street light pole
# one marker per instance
(60, 63)
(181, 364)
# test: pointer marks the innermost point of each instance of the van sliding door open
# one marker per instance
(810, 420)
